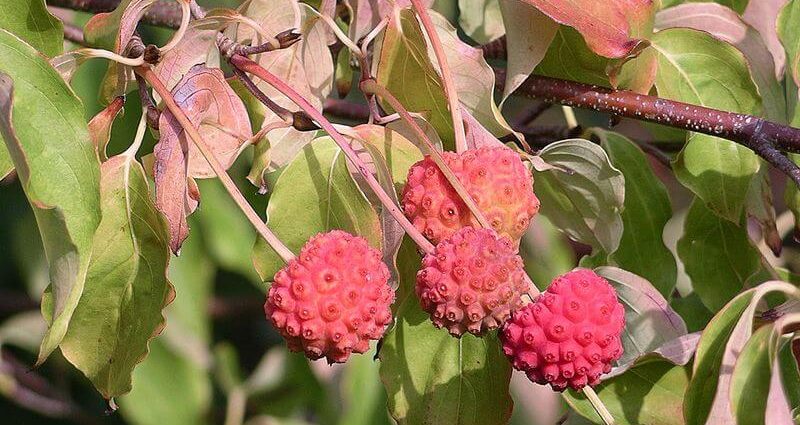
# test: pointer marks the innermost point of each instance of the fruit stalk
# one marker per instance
(372, 87)
(598, 405)
(284, 252)
(447, 75)
(246, 65)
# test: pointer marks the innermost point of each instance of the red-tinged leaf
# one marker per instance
(610, 28)
(100, 126)
(477, 135)
(761, 15)
(112, 31)
(196, 47)
(222, 120)
(369, 13)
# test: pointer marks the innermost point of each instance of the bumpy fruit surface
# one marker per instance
(494, 176)
(333, 298)
(471, 282)
(570, 334)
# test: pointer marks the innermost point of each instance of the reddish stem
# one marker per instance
(247, 65)
(273, 241)
(447, 75)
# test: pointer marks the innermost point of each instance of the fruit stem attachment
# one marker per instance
(447, 75)
(246, 65)
(285, 253)
(372, 87)
(598, 405)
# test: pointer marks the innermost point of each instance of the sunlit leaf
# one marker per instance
(717, 170)
(126, 284)
(44, 131)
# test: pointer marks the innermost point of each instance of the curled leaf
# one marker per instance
(212, 106)
(100, 126)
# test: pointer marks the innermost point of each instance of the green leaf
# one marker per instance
(752, 375)
(692, 310)
(126, 284)
(169, 389)
(718, 256)
(49, 143)
(728, 26)
(584, 195)
(789, 35)
(402, 66)
(651, 393)
(568, 57)
(647, 210)
(708, 360)
(718, 171)
(545, 251)
(315, 193)
(433, 378)
(30, 21)
(363, 398)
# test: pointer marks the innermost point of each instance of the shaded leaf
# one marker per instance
(584, 195)
(480, 20)
(315, 193)
(750, 382)
(608, 27)
(646, 211)
(126, 284)
(570, 58)
(718, 256)
(221, 118)
(44, 131)
(369, 12)
(529, 33)
(473, 77)
(717, 170)
(431, 377)
(790, 38)
(167, 372)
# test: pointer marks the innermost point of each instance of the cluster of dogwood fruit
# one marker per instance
(335, 296)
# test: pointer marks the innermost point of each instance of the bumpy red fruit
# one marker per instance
(494, 176)
(570, 335)
(333, 298)
(471, 282)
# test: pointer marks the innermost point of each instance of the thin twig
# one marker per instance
(598, 405)
(447, 75)
(153, 114)
(529, 114)
(247, 65)
(219, 170)
(282, 113)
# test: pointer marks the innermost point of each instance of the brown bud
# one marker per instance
(302, 122)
